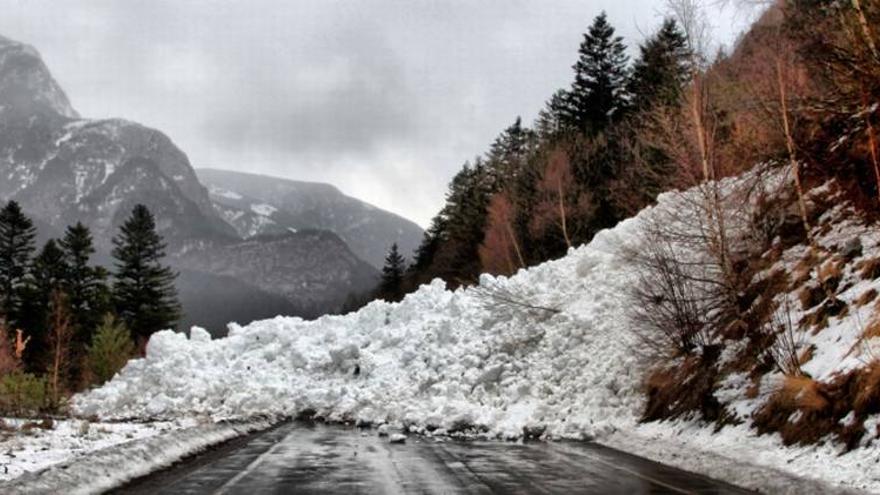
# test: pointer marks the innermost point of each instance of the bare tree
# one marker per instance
(785, 340)
(9, 361)
(60, 335)
(500, 252)
(555, 186)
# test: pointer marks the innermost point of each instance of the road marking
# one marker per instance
(250, 467)
(619, 468)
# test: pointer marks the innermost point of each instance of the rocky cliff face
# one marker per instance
(63, 168)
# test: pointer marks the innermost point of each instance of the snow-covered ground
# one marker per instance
(444, 360)
(24, 450)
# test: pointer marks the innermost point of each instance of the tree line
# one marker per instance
(539, 190)
(67, 322)
(800, 91)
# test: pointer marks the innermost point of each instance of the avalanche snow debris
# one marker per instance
(445, 361)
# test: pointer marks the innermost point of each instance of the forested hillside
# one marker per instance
(799, 90)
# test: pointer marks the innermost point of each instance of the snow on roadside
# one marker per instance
(112, 466)
(761, 463)
(29, 450)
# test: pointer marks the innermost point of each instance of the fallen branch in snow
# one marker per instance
(497, 297)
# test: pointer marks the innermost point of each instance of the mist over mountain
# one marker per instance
(63, 168)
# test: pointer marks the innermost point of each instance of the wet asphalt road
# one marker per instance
(317, 458)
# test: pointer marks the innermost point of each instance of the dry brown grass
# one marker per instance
(803, 393)
(867, 397)
(801, 396)
(802, 271)
(831, 271)
(866, 297)
(810, 297)
(806, 355)
(676, 391)
(872, 330)
(869, 269)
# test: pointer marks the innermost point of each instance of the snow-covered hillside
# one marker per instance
(566, 365)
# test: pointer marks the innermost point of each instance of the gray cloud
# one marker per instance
(384, 98)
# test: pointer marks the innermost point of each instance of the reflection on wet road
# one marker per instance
(316, 458)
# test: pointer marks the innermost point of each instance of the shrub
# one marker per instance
(110, 349)
(23, 393)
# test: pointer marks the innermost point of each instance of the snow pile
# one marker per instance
(438, 360)
(118, 464)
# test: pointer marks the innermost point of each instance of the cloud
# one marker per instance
(384, 98)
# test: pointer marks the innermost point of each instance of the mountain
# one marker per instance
(259, 204)
(310, 267)
(63, 168)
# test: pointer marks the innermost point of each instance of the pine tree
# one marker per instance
(110, 348)
(47, 274)
(457, 259)
(507, 154)
(85, 285)
(662, 69)
(551, 121)
(16, 248)
(598, 94)
(391, 288)
(428, 247)
(49, 270)
(143, 290)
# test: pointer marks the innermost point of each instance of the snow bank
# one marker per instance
(29, 450)
(113, 466)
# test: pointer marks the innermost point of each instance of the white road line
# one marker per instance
(250, 467)
(620, 468)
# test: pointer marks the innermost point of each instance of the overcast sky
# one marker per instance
(385, 99)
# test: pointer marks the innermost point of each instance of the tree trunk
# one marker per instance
(872, 139)
(510, 233)
(562, 221)
(789, 144)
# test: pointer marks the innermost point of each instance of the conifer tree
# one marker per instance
(662, 69)
(551, 121)
(16, 248)
(391, 288)
(428, 247)
(84, 284)
(598, 94)
(507, 155)
(46, 275)
(49, 270)
(110, 348)
(143, 289)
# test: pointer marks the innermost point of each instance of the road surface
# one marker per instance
(316, 458)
